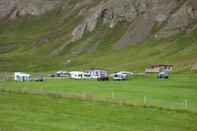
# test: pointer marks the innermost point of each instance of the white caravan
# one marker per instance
(120, 76)
(79, 75)
(19, 76)
(97, 73)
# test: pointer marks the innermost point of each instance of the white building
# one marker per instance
(158, 68)
(19, 76)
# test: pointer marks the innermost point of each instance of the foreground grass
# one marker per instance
(31, 112)
(170, 93)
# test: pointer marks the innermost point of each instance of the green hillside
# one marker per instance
(40, 44)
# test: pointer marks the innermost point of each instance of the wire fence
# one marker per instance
(6, 76)
(178, 104)
(181, 105)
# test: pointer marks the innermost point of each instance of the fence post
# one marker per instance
(186, 104)
(120, 102)
(145, 100)
(112, 95)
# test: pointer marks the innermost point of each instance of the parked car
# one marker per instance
(39, 79)
(52, 75)
(163, 74)
(127, 73)
(62, 74)
(120, 76)
(103, 78)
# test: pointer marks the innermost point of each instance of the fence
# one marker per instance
(182, 105)
(6, 76)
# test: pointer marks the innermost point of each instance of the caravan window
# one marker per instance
(115, 75)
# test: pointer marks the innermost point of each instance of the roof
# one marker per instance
(160, 65)
(75, 72)
(22, 74)
(93, 69)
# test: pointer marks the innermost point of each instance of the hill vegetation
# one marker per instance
(46, 42)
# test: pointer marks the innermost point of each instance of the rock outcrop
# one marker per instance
(194, 66)
(147, 18)
(10, 9)
(7, 8)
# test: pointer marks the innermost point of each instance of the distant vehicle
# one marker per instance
(62, 74)
(103, 78)
(52, 75)
(20, 76)
(163, 74)
(120, 76)
(39, 79)
(78, 75)
(127, 73)
(96, 73)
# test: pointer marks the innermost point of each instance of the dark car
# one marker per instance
(52, 75)
(103, 78)
(39, 79)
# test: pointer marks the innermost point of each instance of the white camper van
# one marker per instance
(120, 76)
(79, 75)
(97, 73)
(19, 76)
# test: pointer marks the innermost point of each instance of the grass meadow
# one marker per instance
(140, 104)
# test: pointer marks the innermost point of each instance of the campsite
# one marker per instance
(98, 65)
(94, 99)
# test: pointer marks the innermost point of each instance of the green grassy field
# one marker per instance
(37, 113)
(39, 44)
(74, 105)
(170, 93)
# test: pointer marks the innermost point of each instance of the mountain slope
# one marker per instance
(113, 34)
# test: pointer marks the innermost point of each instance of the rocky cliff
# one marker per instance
(74, 30)
(157, 18)
(10, 9)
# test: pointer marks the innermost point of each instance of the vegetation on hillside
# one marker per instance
(41, 44)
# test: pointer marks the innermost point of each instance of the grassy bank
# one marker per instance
(29, 112)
